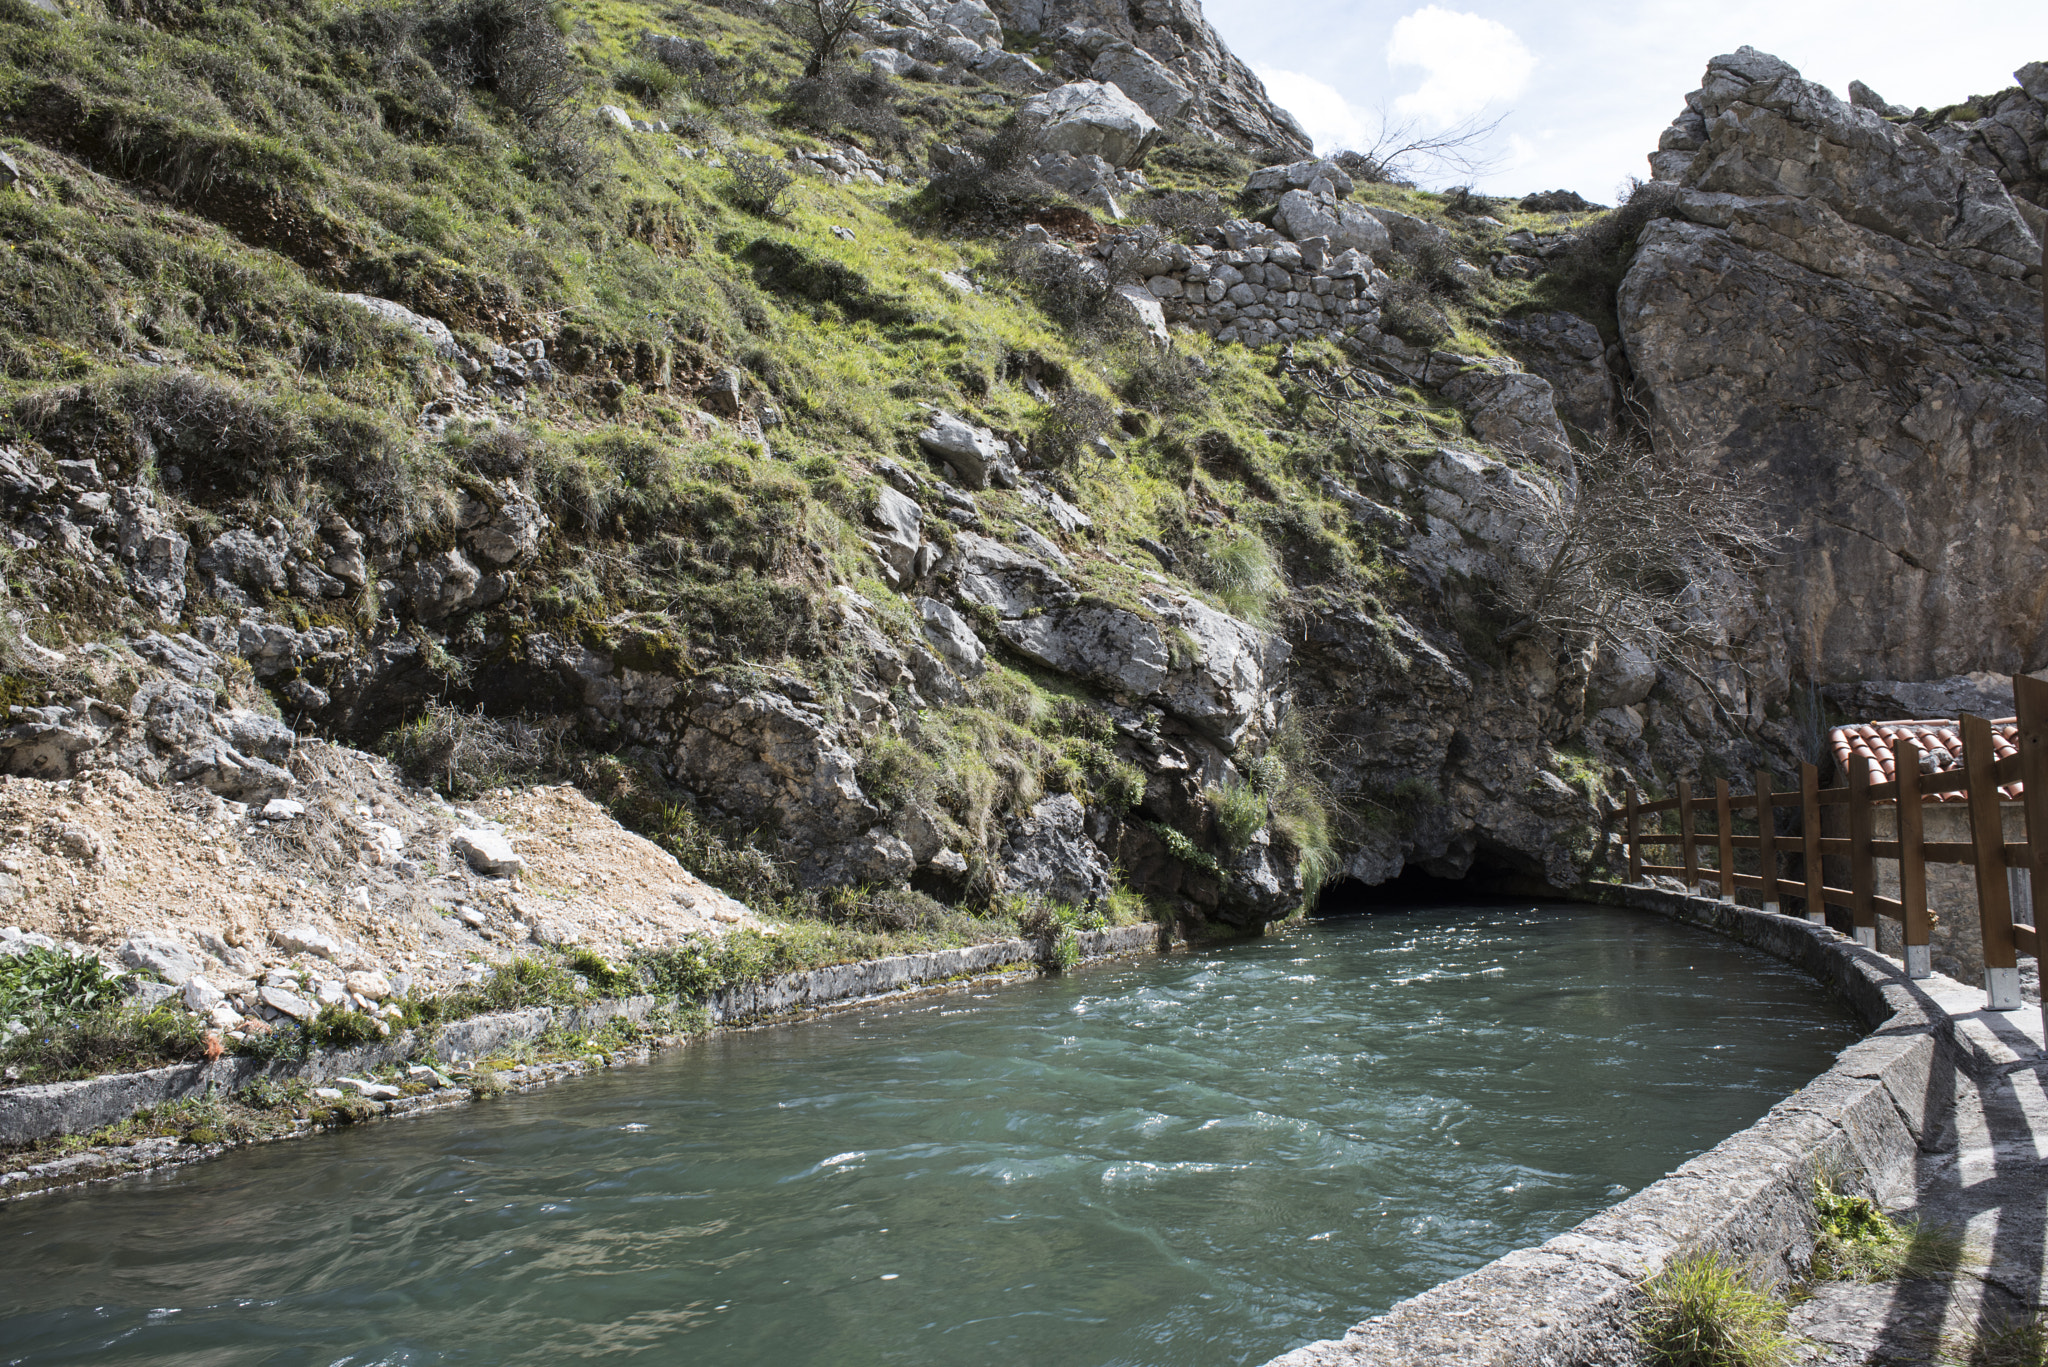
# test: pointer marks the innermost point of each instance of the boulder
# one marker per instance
(974, 20)
(1089, 118)
(1048, 854)
(160, 955)
(1111, 646)
(286, 1002)
(889, 61)
(242, 559)
(1143, 79)
(950, 635)
(1145, 307)
(1409, 233)
(1566, 350)
(1013, 584)
(970, 450)
(899, 533)
(1512, 411)
(1316, 175)
(1012, 69)
(504, 526)
(305, 939)
(432, 331)
(487, 851)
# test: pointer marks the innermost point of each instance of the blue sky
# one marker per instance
(1587, 87)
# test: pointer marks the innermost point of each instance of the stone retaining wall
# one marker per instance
(1569, 1302)
(28, 1114)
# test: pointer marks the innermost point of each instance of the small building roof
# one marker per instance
(1941, 748)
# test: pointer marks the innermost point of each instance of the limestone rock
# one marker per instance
(305, 939)
(1089, 118)
(953, 638)
(160, 955)
(970, 450)
(1144, 306)
(1566, 350)
(487, 851)
(1228, 101)
(432, 331)
(1142, 78)
(898, 523)
(503, 526)
(286, 1002)
(1809, 232)
(1513, 412)
(1048, 853)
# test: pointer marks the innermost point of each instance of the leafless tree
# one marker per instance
(1651, 547)
(1402, 151)
(822, 26)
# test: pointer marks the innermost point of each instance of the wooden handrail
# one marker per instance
(1978, 782)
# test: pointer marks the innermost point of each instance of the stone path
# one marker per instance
(1986, 1177)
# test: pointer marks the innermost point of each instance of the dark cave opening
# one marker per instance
(1487, 881)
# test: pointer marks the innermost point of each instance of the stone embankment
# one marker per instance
(35, 1113)
(1885, 1117)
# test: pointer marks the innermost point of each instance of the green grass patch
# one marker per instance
(1704, 1310)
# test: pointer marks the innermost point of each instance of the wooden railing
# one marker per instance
(1979, 779)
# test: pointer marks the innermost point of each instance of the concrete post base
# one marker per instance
(2001, 989)
(1819, 918)
(1867, 936)
(1772, 908)
(1919, 961)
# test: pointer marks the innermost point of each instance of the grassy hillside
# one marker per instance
(201, 180)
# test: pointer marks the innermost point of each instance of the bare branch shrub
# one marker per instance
(822, 26)
(1078, 295)
(756, 183)
(1653, 550)
(509, 47)
(463, 754)
(1075, 418)
(1400, 151)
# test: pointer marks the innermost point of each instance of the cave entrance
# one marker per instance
(1487, 882)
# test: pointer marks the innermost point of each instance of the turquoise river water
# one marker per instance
(1206, 1158)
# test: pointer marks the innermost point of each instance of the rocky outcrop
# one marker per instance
(1848, 312)
(1168, 50)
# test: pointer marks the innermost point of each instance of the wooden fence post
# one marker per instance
(1692, 853)
(1766, 841)
(1724, 834)
(1635, 851)
(1862, 873)
(1994, 899)
(1912, 858)
(2031, 699)
(1809, 830)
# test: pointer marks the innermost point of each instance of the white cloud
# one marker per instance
(1332, 122)
(1469, 62)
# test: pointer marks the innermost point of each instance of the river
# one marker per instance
(1199, 1159)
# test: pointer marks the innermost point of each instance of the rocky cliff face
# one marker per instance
(1846, 307)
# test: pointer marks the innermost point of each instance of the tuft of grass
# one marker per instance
(1705, 1310)
(2019, 1345)
(1240, 569)
(1240, 812)
(1854, 1240)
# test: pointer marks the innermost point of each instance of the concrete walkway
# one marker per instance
(1983, 1175)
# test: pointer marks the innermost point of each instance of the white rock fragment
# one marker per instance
(201, 995)
(286, 1003)
(488, 852)
(375, 1091)
(304, 939)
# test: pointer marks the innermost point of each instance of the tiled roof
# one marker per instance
(1941, 747)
